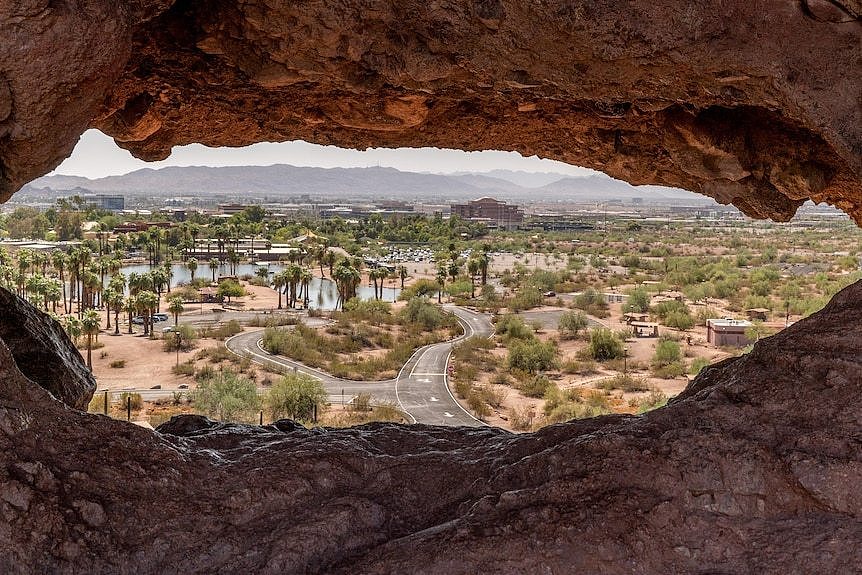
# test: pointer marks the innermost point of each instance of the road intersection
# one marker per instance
(421, 388)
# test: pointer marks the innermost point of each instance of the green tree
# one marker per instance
(229, 288)
(638, 301)
(227, 396)
(296, 396)
(604, 345)
(571, 323)
(192, 265)
(756, 331)
(532, 356)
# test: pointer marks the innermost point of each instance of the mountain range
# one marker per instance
(334, 184)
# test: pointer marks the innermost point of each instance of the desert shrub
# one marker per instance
(532, 356)
(227, 396)
(222, 331)
(97, 403)
(185, 368)
(604, 345)
(654, 400)
(419, 288)
(420, 311)
(638, 301)
(623, 382)
(570, 404)
(371, 310)
(463, 387)
(571, 323)
(501, 379)
(535, 386)
(666, 352)
(526, 298)
(204, 373)
(679, 320)
(698, 364)
(133, 399)
(592, 302)
(580, 367)
(118, 363)
(492, 396)
(511, 327)
(522, 419)
(664, 309)
(297, 396)
(477, 404)
(185, 341)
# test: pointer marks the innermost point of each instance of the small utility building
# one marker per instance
(727, 332)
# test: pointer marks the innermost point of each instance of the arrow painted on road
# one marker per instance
(424, 380)
(434, 398)
(447, 414)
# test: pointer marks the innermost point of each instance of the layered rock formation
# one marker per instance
(755, 468)
(754, 103)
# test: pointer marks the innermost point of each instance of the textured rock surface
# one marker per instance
(755, 469)
(755, 103)
(43, 351)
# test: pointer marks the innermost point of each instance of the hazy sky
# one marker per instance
(97, 156)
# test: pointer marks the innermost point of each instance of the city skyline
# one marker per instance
(96, 156)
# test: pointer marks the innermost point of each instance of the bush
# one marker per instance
(680, 320)
(584, 367)
(532, 356)
(697, 365)
(511, 327)
(604, 345)
(535, 386)
(420, 311)
(187, 337)
(296, 396)
(623, 382)
(637, 302)
(666, 352)
(222, 331)
(133, 399)
(420, 288)
(527, 298)
(118, 363)
(185, 368)
(227, 396)
(654, 400)
(477, 405)
(522, 419)
(572, 322)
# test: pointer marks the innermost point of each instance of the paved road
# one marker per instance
(421, 389)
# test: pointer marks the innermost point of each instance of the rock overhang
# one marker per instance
(753, 104)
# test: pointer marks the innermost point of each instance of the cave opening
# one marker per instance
(753, 468)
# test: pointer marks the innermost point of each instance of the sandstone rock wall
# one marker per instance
(754, 103)
(755, 469)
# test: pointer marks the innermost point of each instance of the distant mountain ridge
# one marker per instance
(339, 184)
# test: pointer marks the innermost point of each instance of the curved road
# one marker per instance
(421, 389)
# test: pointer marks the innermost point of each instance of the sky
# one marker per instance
(97, 156)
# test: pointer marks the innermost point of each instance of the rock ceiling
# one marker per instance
(754, 103)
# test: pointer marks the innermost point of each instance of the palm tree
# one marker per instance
(214, 263)
(484, 260)
(53, 292)
(147, 302)
(473, 268)
(305, 278)
(441, 281)
(131, 306)
(175, 306)
(402, 273)
(279, 280)
(108, 296)
(90, 327)
(168, 269)
(115, 300)
(72, 325)
(192, 266)
(60, 261)
(346, 278)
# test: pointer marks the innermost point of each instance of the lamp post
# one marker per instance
(625, 361)
(179, 339)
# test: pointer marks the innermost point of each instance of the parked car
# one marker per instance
(138, 320)
(160, 317)
(550, 294)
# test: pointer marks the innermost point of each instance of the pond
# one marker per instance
(322, 293)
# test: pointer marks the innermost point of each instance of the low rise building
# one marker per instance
(727, 332)
(493, 213)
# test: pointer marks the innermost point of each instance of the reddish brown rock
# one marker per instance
(754, 469)
(757, 104)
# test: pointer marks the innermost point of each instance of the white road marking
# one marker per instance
(424, 380)
(434, 398)
(429, 374)
(447, 414)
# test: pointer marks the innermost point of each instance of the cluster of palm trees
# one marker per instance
(293, 281)
(451, 267)
(79, 282)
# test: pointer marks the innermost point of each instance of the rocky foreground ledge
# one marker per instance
(755, 468)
